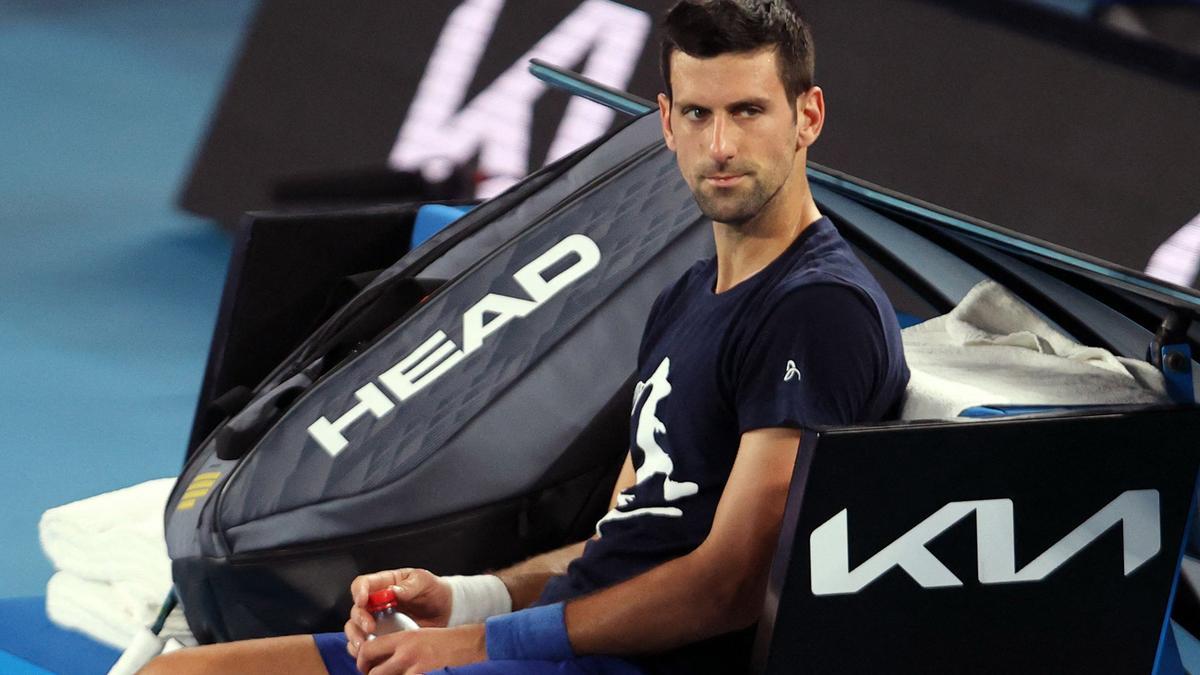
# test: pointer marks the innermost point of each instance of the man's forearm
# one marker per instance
(526, 580)
(676, 603)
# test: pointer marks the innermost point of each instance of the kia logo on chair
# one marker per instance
(1136, 510)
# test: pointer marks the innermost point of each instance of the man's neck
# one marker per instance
(744, 250)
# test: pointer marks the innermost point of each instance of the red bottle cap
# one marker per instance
(381, 600)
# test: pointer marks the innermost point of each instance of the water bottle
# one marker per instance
(382, 604)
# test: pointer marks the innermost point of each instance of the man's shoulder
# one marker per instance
(816, 299)
(685, 283)
(693, 274)
(827, 273)
(806, 286)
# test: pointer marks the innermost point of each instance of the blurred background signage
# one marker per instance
(1027, 116)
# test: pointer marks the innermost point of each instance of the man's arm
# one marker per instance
(526, 580)
(465, 644)
(717, 588)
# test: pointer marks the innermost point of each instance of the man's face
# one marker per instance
(734, 133)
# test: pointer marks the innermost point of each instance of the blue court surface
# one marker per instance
(109, 291)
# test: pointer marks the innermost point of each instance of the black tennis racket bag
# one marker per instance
(469, 408)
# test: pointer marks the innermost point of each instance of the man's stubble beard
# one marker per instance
(736, 212)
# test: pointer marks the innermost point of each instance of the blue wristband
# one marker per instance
(534, 634)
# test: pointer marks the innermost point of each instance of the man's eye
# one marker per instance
(750, 112)
(693, 113)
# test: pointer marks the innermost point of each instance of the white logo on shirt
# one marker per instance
(792, 372)
(655, 459)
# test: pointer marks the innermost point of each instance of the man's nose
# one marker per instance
(723, 145)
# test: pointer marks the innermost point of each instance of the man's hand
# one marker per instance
(423, 596)
(419, 651)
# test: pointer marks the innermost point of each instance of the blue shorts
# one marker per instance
(338, 662)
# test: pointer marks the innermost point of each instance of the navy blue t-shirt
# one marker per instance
(809, 341)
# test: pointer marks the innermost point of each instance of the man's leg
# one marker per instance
(584, 665)
(296, 654)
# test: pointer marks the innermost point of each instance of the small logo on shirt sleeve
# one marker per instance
(792, 372)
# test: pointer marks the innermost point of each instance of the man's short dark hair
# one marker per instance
(708, 28)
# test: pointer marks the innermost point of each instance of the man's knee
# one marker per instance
(179, 662)
(292, 654)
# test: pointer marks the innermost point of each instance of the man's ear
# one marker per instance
(664, 114)
(810, 117)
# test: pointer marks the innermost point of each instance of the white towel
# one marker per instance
(109, 612)
(994, 350)
(113, 569)
(116, 536)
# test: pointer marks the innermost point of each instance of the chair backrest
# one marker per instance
(281, 283)
(983, 546)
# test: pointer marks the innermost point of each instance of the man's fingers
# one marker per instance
(354, 638)
(412, 584)
(361, 587)
(366, 584)
(387, 654)
(374, 652)
(363, 660)
(396, 667)
(393, 666)
(362, 619)
(408, 590)
(363, 623)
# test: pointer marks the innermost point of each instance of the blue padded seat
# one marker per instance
(986, 411)
(431, 219)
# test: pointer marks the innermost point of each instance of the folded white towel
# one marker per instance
(994, 350)
(116, 536)
(109, 612)
(114, 571)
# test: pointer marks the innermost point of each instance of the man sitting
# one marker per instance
(784, 329)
